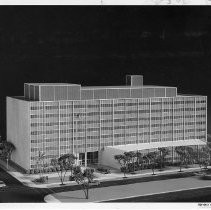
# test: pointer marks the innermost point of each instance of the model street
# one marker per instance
(16, 192)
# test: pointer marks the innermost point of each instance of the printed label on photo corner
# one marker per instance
(204, 205)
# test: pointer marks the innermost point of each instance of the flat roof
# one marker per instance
(99, 87)
(154, 145)
(123, 87)
(189, 95)
(25, 99)
(51, 84)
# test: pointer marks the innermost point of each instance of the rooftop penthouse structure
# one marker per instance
(95, 123)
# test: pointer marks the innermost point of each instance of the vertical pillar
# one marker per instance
(137, 121)
(75, 138)
(206, 120)
(30, 136)
(198, 152)
(77, 160)
(150, 120)
(85, 131)
(125, 107)
(100, 144)
(173, 119)
(85, 159)
(161, 121)
(113, 122)
(73, 129)
(172, 154)
(59, 131)
(43, 126)
(195, 134)
(184, 119)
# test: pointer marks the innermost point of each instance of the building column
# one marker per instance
(59, 130)
(206, 120)
(172, 154)
(197, 147)
(113, 122)
(77, 160)
(149, 120)
(73, 124)
(137, 141)
(85, 159)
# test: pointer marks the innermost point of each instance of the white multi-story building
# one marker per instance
(95, 123)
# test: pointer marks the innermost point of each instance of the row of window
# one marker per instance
(154, 109)
(44, 107)
(110, 128)
(51, 115)
(47, 140)
(165, 123)
(122, 103)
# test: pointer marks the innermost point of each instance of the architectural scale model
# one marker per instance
(95, 123)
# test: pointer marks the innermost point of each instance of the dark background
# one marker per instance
(99, 45)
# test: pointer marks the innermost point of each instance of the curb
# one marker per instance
(51, 199)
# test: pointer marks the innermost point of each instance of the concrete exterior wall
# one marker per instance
(18, 130)
(106, 157)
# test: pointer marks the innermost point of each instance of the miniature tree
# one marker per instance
(83, 179)
(195, 157)
(190, 155)
(7, 150)
(139, 158)
(181, 151)
(130, 157)
(63, 164)
(40, 163)
(123, 161)
(163, 152)
(152, 159)
(204, 156)
(209, 147)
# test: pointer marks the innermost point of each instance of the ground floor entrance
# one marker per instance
(88, 158)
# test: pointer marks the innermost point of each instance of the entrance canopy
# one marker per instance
(154, 145)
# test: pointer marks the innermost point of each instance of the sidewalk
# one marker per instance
(27, 179)
(113, 193)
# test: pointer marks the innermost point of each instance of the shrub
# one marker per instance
(35, 171)
(92, 170)
(54, 170)
(103, 170)
(77, 169)
(122, 169)
(42, 179)
(133, 167)
(45, 170)
(71, 178)
(31, 171)
(27, 171)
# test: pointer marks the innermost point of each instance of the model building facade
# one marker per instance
(94, 123)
